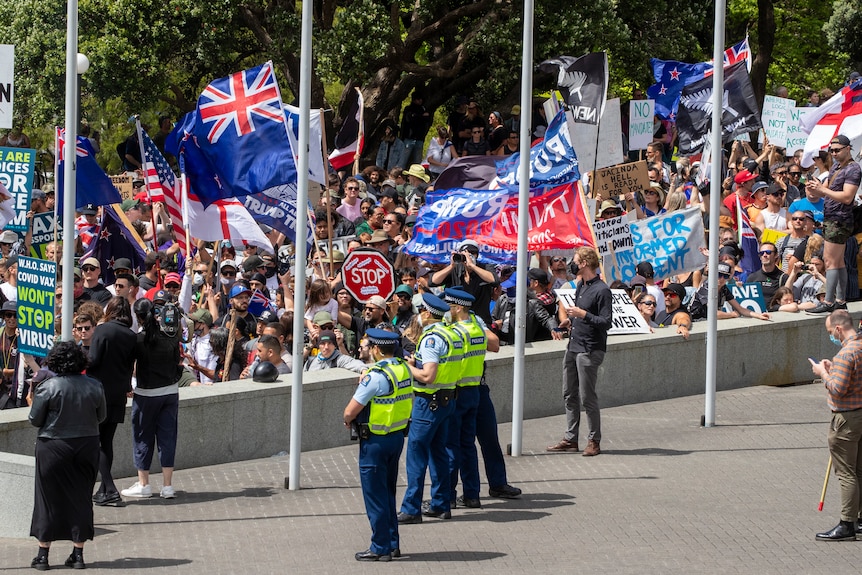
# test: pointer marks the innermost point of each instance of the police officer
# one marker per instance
(436, 369)
(461, 446)
(380, 409)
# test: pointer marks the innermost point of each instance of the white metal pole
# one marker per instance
(299, 256)
(715, 179)
(523, 228)
(69, 169)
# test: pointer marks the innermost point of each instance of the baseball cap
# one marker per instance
(724, 269)
(743, 176)
(122, 264)
(645, 269)
(327, 335)
(227, 264)
(252, 262)
(239, 289)
(173, 277)
(267, 316)
(539, 275)
(89, 210)
(469, 245)
(840, 139)
(678, 289)
(91, 262)
(322, 318)
(38, 194)
(8, 237)
(378, 301)
(759, 186)
(405, 289)
(203, 316)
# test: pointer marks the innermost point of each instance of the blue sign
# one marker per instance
(37, 281)
(17, 167)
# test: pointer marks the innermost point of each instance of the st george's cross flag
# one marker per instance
(840, 114)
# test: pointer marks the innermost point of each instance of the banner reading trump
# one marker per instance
(671, 242)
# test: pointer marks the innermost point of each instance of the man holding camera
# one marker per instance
(380, 412)
(464, 271)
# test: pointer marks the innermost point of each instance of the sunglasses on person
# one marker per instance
(836, 150)
(669, 294)
(766, 252)
(556, 260)
(650, 302)
(724, 276)
(9, 314)
(477, 131)
(172, 285)
(352, 188)
(389, 221)
(229, 274)
(327, 326)
(794, 174)
(781, 173)
(80, 327)
(88, 268)
(370, 308)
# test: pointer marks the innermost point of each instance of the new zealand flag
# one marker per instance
(114, 239)
(235, 143)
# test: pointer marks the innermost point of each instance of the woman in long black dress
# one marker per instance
(112, 361)
(67, 409)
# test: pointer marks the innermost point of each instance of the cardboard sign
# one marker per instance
(17, 168)
(796, 137)
(626, 317)
(641, 113)
(617, 180)
(7, 84)
(123, 183)
(748, 295)
(37, 280)
(671, 242)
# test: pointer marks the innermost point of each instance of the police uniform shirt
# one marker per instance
(431, 348)
(371, 385)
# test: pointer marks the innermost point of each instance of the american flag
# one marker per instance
(237, 99)
(164, 187)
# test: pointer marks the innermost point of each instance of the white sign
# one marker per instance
(610, 146)
(774, 118)
(626, 317)
(613, 235)
(584, 142)
(641, 114)
(7, 84)
(795, 136)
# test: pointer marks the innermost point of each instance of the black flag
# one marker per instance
(583, 82)
(740, 113)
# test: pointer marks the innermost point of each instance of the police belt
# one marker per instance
(365, 431)
(443, 396)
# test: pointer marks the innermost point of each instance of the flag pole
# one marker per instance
(70, 168)
(149, 198)
(184, 197)
(714, 207)
(294, 474)
(56, 171)
(523, 228)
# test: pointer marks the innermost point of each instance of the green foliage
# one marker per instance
(844, 28)
(358, 39)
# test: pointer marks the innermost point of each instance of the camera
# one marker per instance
(458, 258)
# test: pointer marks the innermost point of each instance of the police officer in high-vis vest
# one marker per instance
(436, 369)
(461, 445)
(380, 412)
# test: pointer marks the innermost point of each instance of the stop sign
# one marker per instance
(367, 272)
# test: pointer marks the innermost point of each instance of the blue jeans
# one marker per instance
(154, 418)
(413, 152)
(378, 473)
(426, 448)
(461, 445)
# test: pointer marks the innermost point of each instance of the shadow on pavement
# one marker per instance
(190, 497)
(451, 556)
(138, 563)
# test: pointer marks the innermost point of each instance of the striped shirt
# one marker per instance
(844, 381)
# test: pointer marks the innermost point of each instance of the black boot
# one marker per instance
(844, 531)
(76, 559)
(40, 561)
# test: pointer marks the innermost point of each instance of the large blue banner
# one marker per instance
(37, 280)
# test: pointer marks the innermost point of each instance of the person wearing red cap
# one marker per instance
(744, 181)
(839, 193)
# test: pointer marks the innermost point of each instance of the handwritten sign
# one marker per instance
(796, 138)
(671, 242)
(613, 235)
(748, 295)
(774, 119)
(37, 282)
(617, 180)
(17, 167)
(123, 183)
(7, 84)
(626, 317)
(641, 113)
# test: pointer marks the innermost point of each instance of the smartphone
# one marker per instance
(638, 290)
(813, 361)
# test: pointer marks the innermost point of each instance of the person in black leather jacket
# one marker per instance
(67, 409)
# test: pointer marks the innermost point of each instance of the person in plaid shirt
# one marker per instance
(843, 380)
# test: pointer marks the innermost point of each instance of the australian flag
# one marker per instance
(116, 239)
(92, 184)
(236, 143)
(740, 113)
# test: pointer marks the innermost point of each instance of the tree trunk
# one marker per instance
(766, 36)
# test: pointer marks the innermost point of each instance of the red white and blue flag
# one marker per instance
(163, 186)
(840, 114)
(351, 137)
(92, 184)
(259, 303)
(236, 142)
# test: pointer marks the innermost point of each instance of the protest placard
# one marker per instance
(37, 282)
(774, 119)
(7, 84)
(613, 235)
(610, 145)
(796, 138)
(748, 295)
(641, 113)
(17, 166)
(123, 183)
(43, 234)
(671, 242)
(617, 180)
(626, 317)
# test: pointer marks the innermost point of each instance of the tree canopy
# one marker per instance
(150, 56)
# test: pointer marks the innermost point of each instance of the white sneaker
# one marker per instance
(138, 490)
(167, 492)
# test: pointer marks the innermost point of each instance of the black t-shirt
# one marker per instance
(99, 293)
(769, 282)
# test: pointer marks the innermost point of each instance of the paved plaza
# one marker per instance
(665, 496)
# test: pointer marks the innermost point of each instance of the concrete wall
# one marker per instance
(17, 483)
(244, 420)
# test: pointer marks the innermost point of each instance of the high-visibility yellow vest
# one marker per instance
(449, 368)
(475, 347)
(392, 412)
